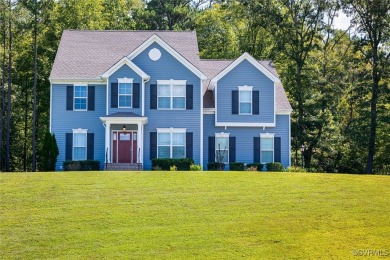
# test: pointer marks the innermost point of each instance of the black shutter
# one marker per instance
(136, 95)
(153, 96)
(90, 146)
(232, 149)
(114, 95)
(69, 147)
(153, 145)
(91, 98)
(256, 149)
(189, 96)
(69, 98)
(235, 102)
(211, 149)
(189, 145)
(255, 102)
(277, 149)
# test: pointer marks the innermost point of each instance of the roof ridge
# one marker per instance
(155, 31)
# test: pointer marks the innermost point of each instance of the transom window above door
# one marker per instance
(171, 94)
(125, 93)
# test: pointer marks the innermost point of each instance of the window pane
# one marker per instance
(222, 143)
(245, 108)
(245, 96)
(179, 139)
(266, 157)
(79, 153)
(267, 143)
(164, 139)
(80, 91)
(178, 102)
(179, 90)
(164, 152)
(164, 91)
(125, 88)
(80, 103)
(178, 152)
(164, 102)
(222, 155)
(80, 140)
(125, 101)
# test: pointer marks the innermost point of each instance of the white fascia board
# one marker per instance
(77, 81)
(171, 130)
(283, 112)
(208, 111)
(124, 120)
(130, 64)
(253, 61)
(238, 124)
(173, 52)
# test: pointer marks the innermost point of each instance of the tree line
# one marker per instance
(337, 80)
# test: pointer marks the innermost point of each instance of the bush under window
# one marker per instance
(165, 164)
(89, 165)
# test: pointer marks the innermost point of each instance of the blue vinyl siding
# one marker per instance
(167, 67)
(63, 121)
(124, 72)
(245, 74)
(244, 138)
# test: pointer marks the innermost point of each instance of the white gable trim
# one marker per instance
(154, 38)
(255, 63)
(130, 64)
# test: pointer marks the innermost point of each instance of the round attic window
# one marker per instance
(154, 54)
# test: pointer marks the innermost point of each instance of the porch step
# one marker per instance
(124, 166)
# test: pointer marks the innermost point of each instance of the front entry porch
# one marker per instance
(123, 141)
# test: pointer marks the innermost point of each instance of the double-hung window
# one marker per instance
(171, 143)
(80, 97)
(79, 144)
(171, 94)
(245, 100)
(267, 148)
(222, 147)
(125, 92)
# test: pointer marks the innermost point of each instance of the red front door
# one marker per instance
(124, 146)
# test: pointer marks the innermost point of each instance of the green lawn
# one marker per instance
(192, 215)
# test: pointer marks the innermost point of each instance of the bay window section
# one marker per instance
(125, 92)
(222, 148)
(171, 143)
(245, 100)
(80, 98)
(267, 148)
(171, 94)
(79, 144)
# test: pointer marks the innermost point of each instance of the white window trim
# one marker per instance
(74, 96)
(245, 88)
(171, 83)
(267, 136)
(125, 81)
(222, 135)
(172, 131)
(80, 131)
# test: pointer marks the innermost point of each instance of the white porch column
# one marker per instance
(140, 142)
(107, 142)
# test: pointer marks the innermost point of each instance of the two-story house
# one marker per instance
(126, 97)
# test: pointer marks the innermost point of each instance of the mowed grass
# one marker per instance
(182, 215)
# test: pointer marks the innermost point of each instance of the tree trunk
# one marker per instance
(373, 114)
(25, 131)
(2, 91)
(8, 148)
(34, 156)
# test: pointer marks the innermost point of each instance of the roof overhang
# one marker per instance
(253, 61)
(124, 120)
(155, 39)
(130, 64)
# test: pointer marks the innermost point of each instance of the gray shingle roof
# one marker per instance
(212, 68)
(84, 54)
